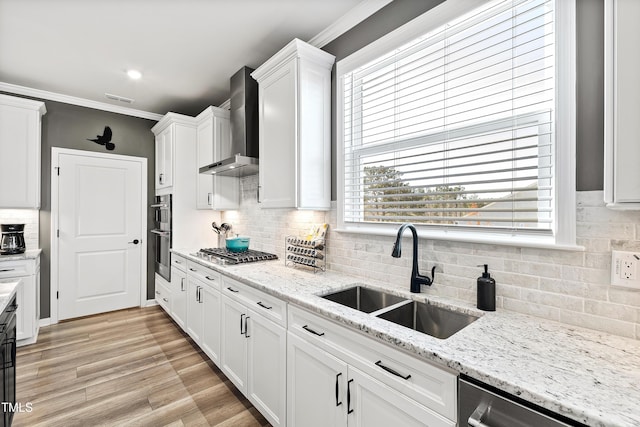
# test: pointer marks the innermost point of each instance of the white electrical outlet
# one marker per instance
(624, 266)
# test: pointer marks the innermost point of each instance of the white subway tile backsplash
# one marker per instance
(599, 323)
(31, 221)
(612, 311)
(569, 286)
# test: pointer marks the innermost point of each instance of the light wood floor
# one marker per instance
(132, 367)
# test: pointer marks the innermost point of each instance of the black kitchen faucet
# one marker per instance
(416, 278)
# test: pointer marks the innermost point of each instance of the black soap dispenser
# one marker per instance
(486, 291)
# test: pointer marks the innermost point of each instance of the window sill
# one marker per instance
(484, 237)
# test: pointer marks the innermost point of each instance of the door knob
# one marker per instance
(135, 241)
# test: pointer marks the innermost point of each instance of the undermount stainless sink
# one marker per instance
(364, 299)
(422, 317)
(436, 321)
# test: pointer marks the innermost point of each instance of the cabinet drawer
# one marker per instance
(430, 385)
(267, 305)
(178, 262)
(163, 294)
(16, 268)
(204, 274)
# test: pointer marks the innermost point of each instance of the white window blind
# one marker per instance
(456, 128)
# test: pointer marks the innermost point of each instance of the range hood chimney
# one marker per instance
(244, 129)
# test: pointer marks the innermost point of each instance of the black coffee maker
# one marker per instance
(12, 239)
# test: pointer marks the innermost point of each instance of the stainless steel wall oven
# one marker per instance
(162, 235)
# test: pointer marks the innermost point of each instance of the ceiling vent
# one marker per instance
(118, 98)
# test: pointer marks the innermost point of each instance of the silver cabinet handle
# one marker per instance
(160, 177)
(177, 261)
(6, 269)
(165, 300)
(210, 278)
(192, 269)
(157, 292)
(475, 420)
(182, 284)
(209, 199)
(232, 290)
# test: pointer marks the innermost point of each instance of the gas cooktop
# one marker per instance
(217, 254)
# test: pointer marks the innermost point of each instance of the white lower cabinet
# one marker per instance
(203, 308)
(254, 348)
(194, 309)
(163, 294)
(315, 386)
(301, 369)
(373, 404)
(203, 316)
(338, 377)
(210, 337)
(27, 296)
(233, 360)
(178, 301)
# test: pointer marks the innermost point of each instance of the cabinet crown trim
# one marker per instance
(172, 118)
(24, 103)
(212, 111)
(295, 49)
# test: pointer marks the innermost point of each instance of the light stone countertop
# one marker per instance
(7, 292)
(588, 376)
(29, 254)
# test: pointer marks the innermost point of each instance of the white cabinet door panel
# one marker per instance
(179, 297)
(20, 122)
(373, 404)
(316, 386)
(233, 360)
(278, 126)
(266, 357)
(194, 309)
(211, 302)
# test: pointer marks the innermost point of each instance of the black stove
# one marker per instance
(235, 257)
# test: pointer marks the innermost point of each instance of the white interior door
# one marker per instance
(100, 268)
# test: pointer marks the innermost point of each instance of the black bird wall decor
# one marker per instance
(104, 139)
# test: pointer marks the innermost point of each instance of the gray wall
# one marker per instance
(589, 87)
(69, 126)
(590, 95)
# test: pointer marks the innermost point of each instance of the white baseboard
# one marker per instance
(151, 303)
(44, 322)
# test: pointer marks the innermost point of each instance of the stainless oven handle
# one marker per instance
(475, 420)
(160, 205)
(161, 233)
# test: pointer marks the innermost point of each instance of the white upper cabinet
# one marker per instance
(20, 122)
(164, 158)
(294, 107)
(622, 105)
(215, 192)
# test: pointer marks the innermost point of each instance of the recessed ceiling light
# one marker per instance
(134, 74)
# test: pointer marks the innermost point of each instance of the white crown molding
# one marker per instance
(295, 48)
(171, 118)
(226, 104)
(210, 112)
(353, 17)
(82, 102)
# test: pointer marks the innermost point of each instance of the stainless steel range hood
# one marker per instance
(243, 153)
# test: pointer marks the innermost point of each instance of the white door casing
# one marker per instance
(99, 204)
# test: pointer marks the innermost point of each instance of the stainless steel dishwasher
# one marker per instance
(478, 406)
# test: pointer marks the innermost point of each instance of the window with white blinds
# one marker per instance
(456, 128)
